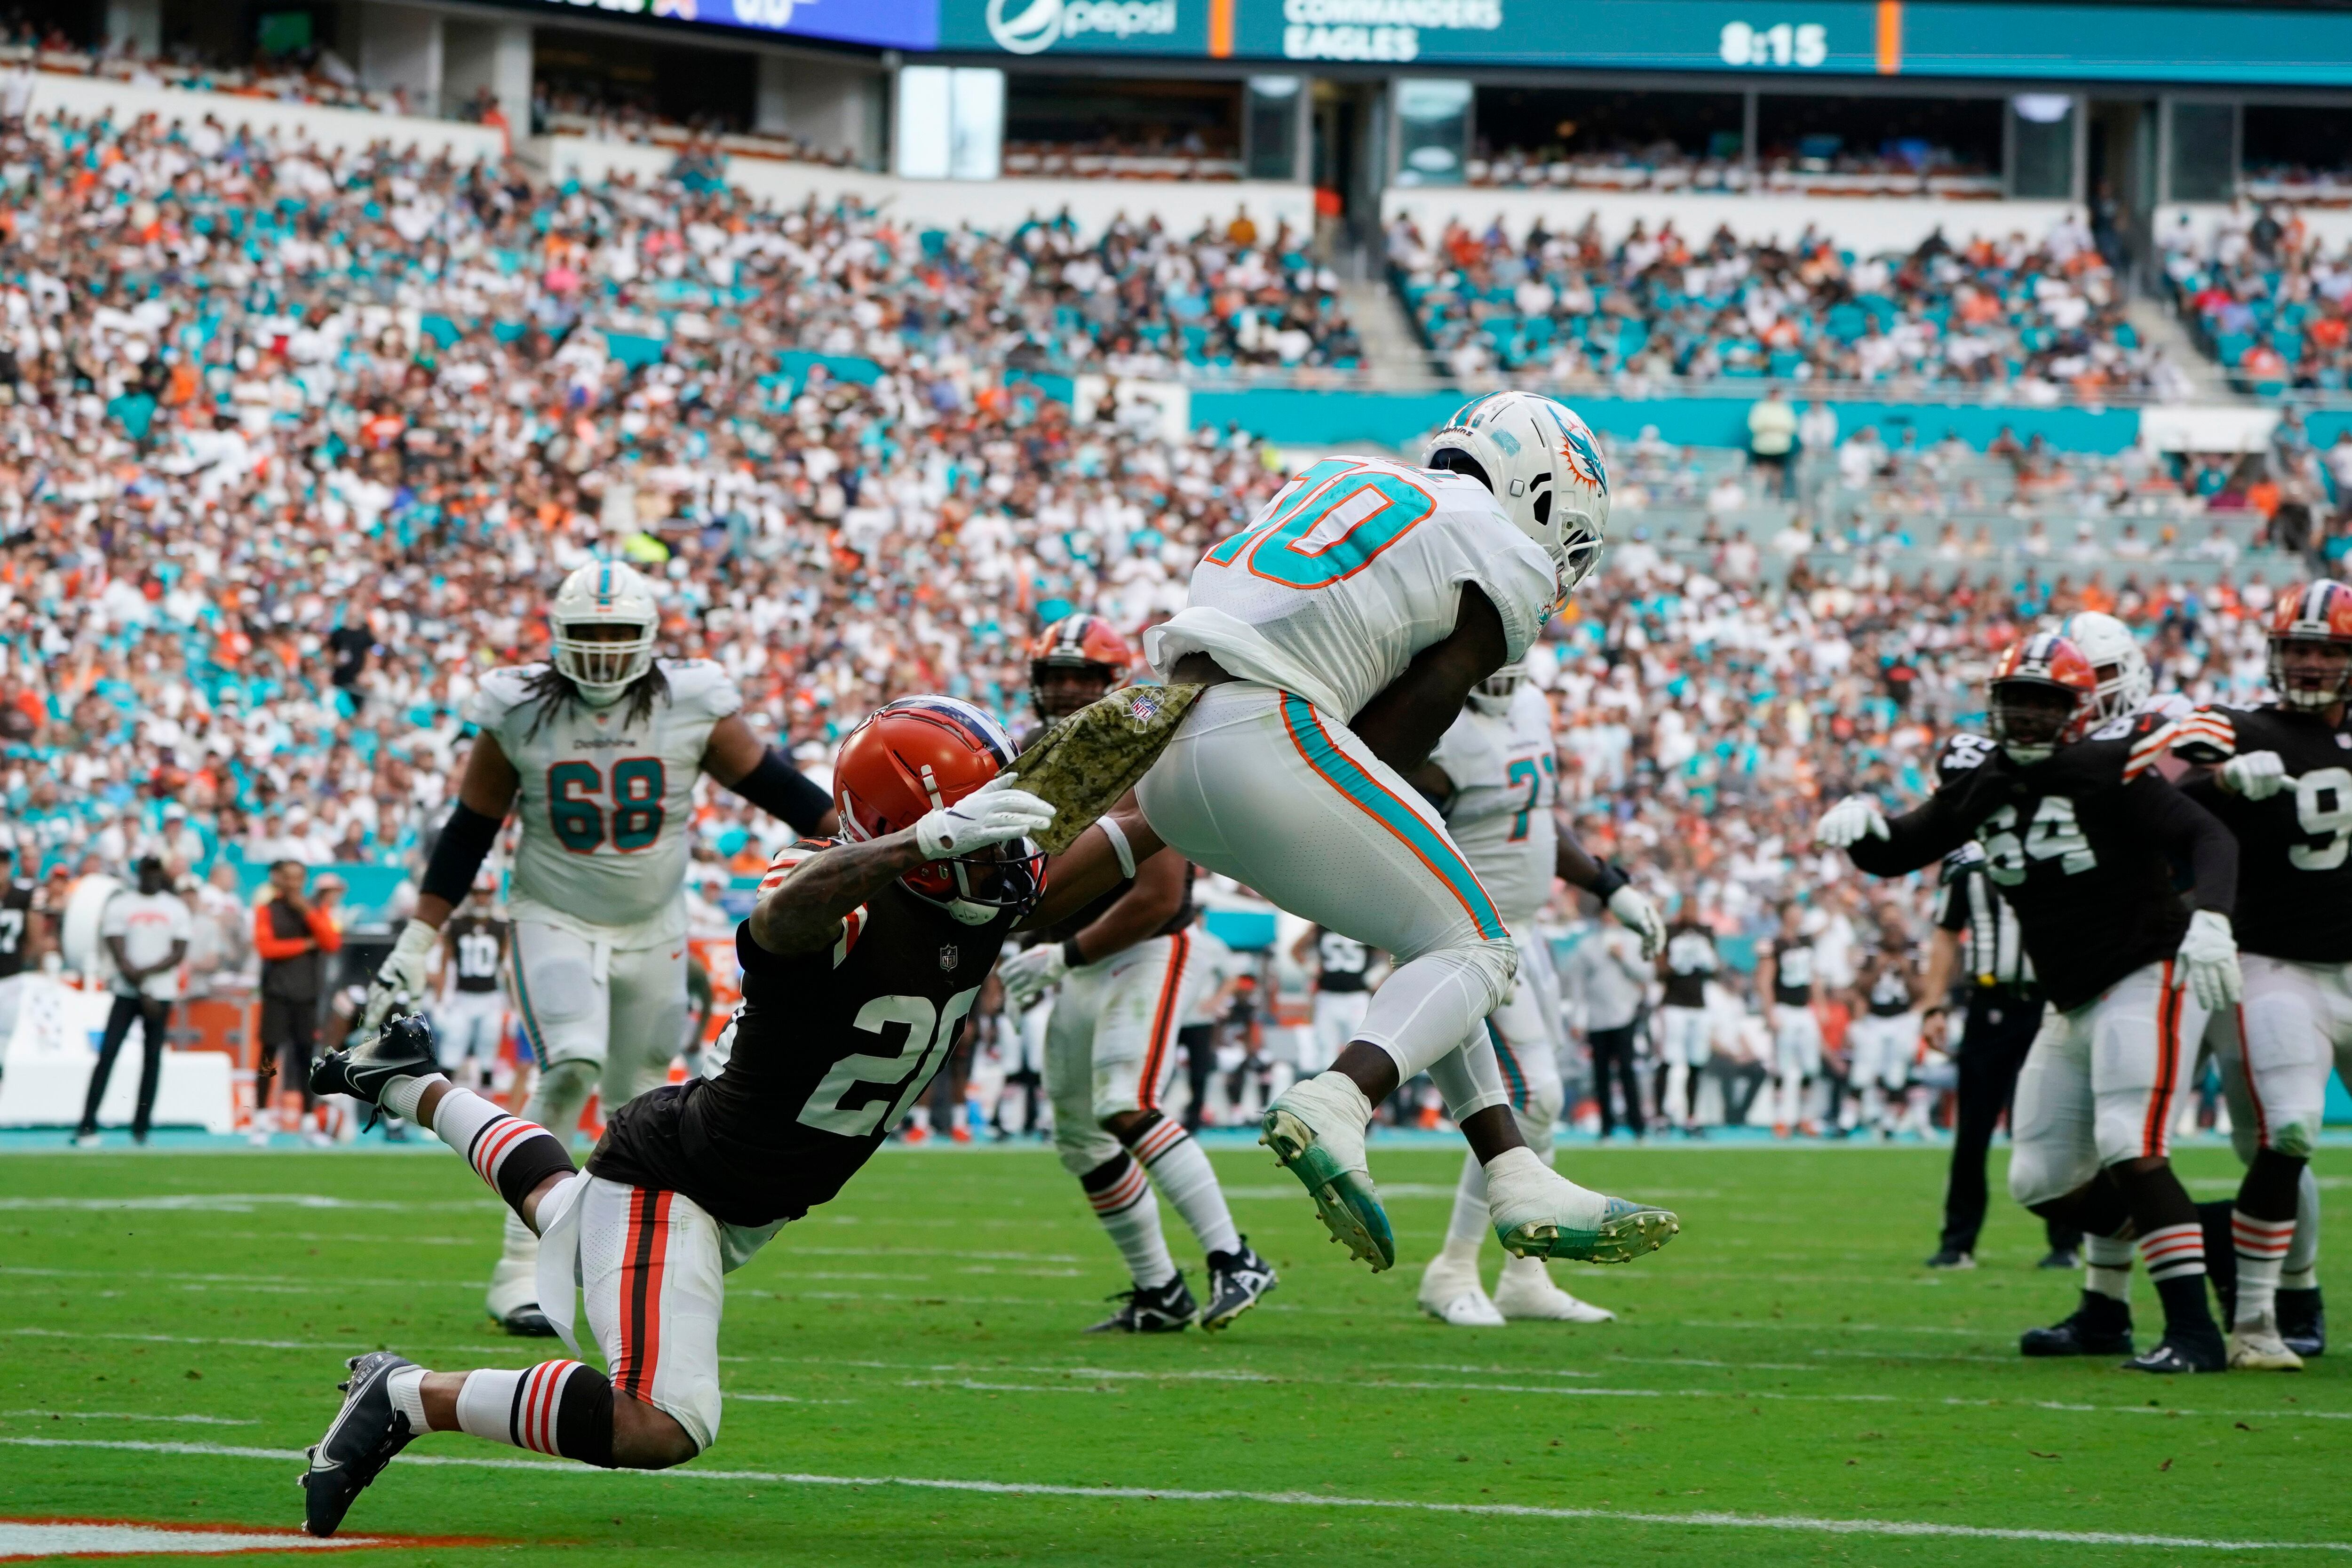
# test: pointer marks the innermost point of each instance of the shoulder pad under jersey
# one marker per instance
(701, 687)
(501, 692)
(1964, 753)
(2208, 735)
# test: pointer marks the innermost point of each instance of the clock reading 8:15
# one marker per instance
(1802, 44)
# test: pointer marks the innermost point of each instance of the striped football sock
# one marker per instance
(557, 1407)
(2174, 1251)
(512, 1155)
(2261, 1248)
(1121, 1194)
(1180, 1167)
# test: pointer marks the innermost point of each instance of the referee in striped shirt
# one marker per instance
(1976, 941)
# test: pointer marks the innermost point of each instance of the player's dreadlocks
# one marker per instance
(551, 690)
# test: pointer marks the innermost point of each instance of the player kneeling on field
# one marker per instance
(881, 939)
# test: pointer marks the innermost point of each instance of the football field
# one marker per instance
(907, 1383)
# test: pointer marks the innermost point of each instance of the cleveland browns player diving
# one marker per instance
(2282, 781)
(2079, 831)
(861, 961)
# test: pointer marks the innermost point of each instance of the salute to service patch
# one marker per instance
(1085, 763)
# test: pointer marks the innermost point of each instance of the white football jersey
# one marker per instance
(1353, 568)
(606, 804)
(1506, 782)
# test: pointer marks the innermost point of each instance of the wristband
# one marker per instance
(1070, 954)
(1119, 845)
(1605, 885)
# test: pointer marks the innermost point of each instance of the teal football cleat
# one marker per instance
(1537, 1213)
(1313, 1131)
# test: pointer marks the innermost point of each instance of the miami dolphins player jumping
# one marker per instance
(596, 752)
(1339, 635)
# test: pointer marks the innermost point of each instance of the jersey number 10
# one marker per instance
(1341, 518)
(578, 818)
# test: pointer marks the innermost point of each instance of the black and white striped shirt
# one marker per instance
(1993, 950)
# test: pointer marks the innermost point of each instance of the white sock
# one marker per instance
(2261, 1247)
(2107, 1266)
(406, 1387)
(2303, 1257)
(400, 1096)
(1470, 1224)
(1121, 1196)
(1180, 1169)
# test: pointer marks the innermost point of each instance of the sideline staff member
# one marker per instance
(1975, 924)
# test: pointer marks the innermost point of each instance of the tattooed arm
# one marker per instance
(801, 911)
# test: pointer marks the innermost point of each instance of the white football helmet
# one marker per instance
(600, 594)
(2124, 679)
(1543, 467)
(1493, 695)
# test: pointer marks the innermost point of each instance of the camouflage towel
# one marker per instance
(1087, 761)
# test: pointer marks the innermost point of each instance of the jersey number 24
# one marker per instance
(578, 817)
(1341, 516)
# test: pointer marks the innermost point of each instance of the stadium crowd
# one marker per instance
(2039, 316)
(294, 448)
(2266, 297)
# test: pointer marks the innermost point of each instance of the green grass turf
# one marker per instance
(1785, 1356)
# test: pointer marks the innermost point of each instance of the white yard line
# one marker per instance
(1794, 1523)
(129, 1415)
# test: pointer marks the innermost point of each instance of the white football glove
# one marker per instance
(2256, 775)
(995, 813)
(1640, 916)
(2209, 954)
(1028, 973)
(400, 978)
(1849, 821)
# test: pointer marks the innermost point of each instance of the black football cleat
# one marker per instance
(367, 1432)
(1236, 1282)
(2184, 1350)
(2063, 1258)
(2100, 1325)
(2302, 1322)
(1163, 1310)
(401, 1049)
(1951, 1257)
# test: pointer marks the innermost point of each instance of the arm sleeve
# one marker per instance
(269, 944)
(784, 792)
(457, 854)
(1918, 837)
(2191, 832)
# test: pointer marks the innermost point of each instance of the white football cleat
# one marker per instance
(1538, 1213)
(1451, 1293)
(1527, 1291)
(2257, 1347)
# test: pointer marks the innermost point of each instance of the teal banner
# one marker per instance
(1396, 420)
(2026, 42)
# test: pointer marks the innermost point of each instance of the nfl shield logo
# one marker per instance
(1144, 707)
(948, 956)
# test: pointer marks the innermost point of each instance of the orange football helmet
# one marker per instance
(2044, 694)
(1081, 644)
(2317, 614)
(918, 753)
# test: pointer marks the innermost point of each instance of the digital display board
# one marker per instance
(881, 24)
